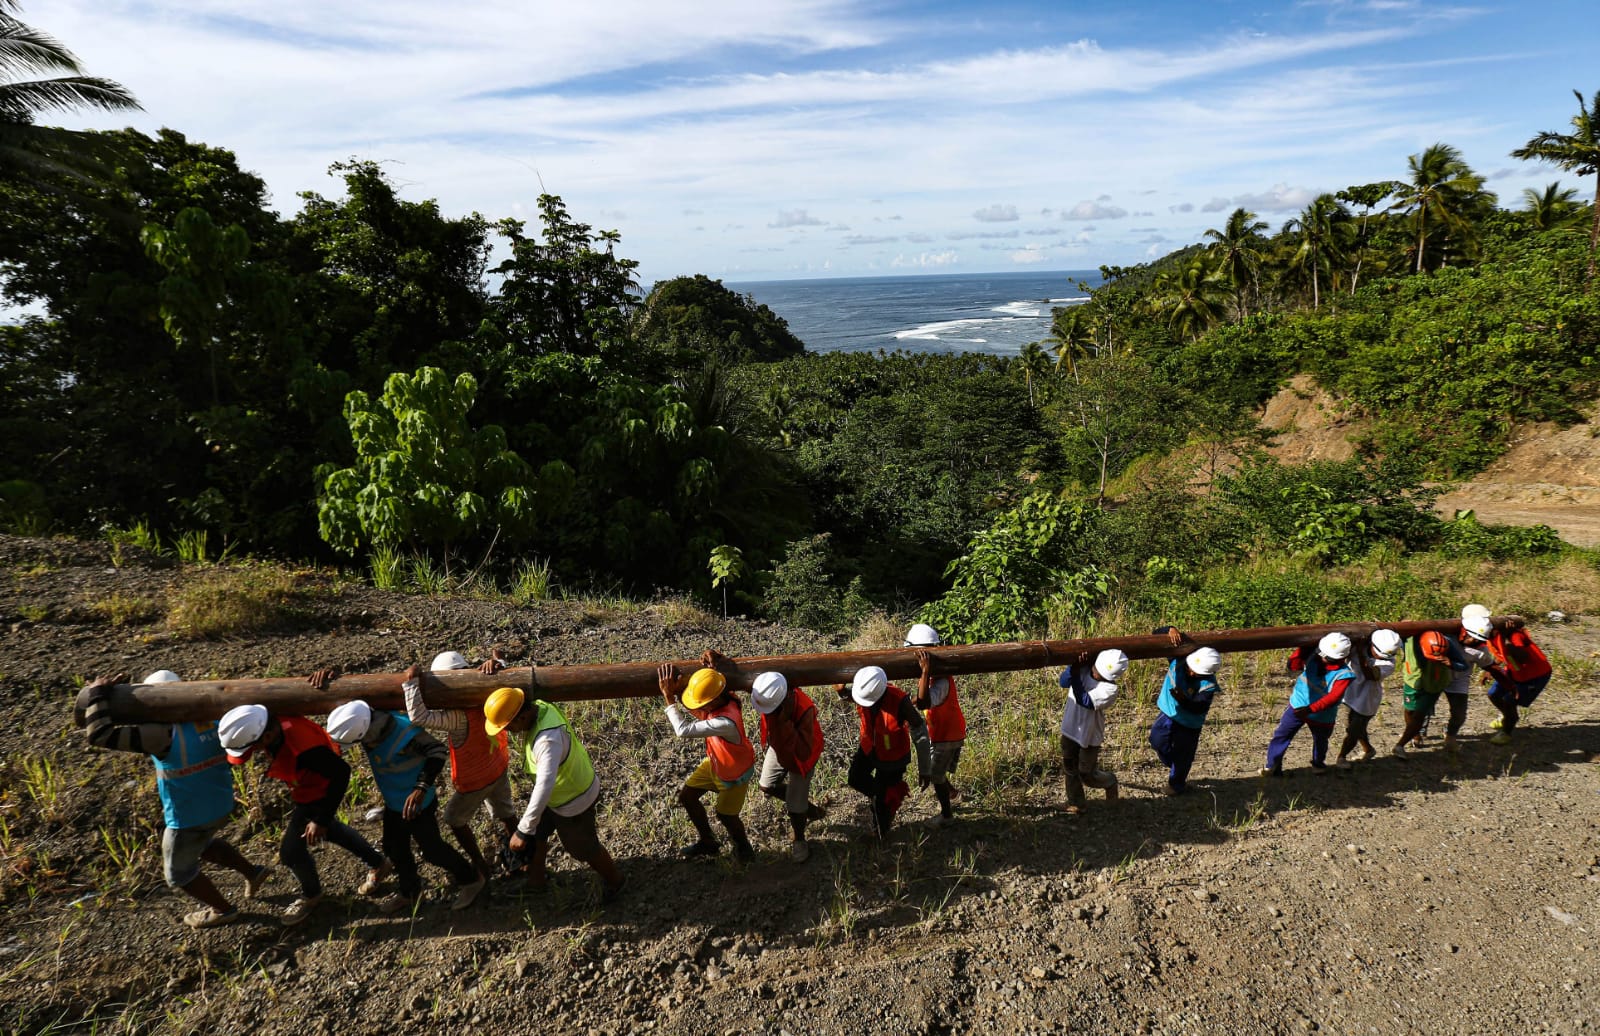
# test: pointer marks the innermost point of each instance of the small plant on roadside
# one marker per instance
(191, 546)
(231, 602)
(388, 568)
(533, 582)
(44, 784)
(122, 609)
(137, 535)
(427, 579)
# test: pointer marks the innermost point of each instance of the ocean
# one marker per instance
(987, 312)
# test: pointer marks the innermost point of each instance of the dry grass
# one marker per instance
(122, 609)
(681, 613)
(877, 631)
(229, 602)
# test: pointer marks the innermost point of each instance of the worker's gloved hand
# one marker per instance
(513, 860)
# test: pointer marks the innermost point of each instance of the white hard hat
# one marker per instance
(922, 635)
(349, 722)
(1386, 643)
(1335, 646)
(163, 676)
(1110, 664)
(1473, 611)
(242, 727)
(1478, 625)
(768, 692)
(1205, 661)
(446, 660)
(868, 686)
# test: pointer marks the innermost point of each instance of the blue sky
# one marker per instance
(802, 138)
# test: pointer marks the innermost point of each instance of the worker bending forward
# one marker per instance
(406, 762)
(792, 736)
(704, 707)
(1325, 676)
(890, 725)
(196, 787)
(566, 790)
(1374, 664)
(1184, 702)
(1091, 690)
(941, 707)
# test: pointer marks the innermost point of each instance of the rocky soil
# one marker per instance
(1457, 893)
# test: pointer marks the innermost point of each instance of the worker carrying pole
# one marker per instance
(467, 688)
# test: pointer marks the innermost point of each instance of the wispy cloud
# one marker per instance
(795, 218)
(996, 214)
(1094, 210)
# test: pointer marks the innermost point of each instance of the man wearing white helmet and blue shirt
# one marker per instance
(1324, 678)
(1091, 689)
(793, 738)
(406, 762)
(195, 783)
(890, 726)
(1375, 664)
(1186, 694)
(479, 761)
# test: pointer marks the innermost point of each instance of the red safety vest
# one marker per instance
(883, 736)
(300, 735)
(1520, 655)
(729, 760)
(481, 759)
(946, 722)
(801, 703)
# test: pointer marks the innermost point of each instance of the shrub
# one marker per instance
(803, 589)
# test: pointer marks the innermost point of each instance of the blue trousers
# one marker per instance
(1176, 745)
(1507, 698)
(1288, 727)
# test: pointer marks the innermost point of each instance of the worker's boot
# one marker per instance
(737, 835)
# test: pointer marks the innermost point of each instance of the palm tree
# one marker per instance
(1072, 336)
(1238, 253)
(1193, 299)
(1550, 207)
(1442, 188)
(1576, 152)
(27, 149)
(1034, 364)
(1321, 231)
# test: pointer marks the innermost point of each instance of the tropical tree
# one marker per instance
(1192, 299)
(1034, 365)
(1576, 152)
(1551, 207)
(1368, 196)
(1441, 192)
(1238, 251)
(1319, 232)
(28, 149)
(1072, 336)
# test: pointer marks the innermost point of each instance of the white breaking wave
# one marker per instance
(946, 330)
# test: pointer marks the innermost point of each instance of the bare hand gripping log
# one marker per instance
(209, 699)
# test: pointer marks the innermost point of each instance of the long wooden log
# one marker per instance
(209, 699)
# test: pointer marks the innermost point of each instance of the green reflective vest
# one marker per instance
(576, 773)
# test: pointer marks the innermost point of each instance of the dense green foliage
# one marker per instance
(358, 379)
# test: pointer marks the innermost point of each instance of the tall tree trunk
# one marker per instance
(1594, 231)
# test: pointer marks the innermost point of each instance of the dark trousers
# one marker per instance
(423, 829)
(1506, 699)
(882, 782)
(296, 855)
(1288, 727)
(1176, 745)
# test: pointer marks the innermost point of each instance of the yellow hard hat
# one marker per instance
(704, 686)
(500, 709)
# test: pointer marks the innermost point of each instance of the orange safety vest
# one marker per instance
(883, 736)
(730, 761)
(1520, 655)
(300, 735)
(946, 722)
(801, 703)
(480, 760)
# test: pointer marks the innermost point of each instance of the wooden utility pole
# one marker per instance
(209, 699)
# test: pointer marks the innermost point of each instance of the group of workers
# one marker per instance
(195, 780)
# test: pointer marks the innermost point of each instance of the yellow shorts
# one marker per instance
(730, 797)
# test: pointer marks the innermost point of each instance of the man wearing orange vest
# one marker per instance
(890, 724)
(479, 761)
(305, 758)
(941, 707)
(706, 708)
(1522, 673)
(793, 739)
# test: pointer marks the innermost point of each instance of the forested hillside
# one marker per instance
(439, 399)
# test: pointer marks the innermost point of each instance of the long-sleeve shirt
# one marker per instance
(685, 725)
(422, 745)
(1185, 696)
(321, 768)
(1477, 654)
(1365, 694)
(549, 748)
(1083, 717)
(452, 722)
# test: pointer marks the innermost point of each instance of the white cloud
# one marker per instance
(795, 218)
(924, 260)
(996, 214)
(1281, 198)
(1216, 205)
(1030, 256)
(1094, 210)
(1187, 206)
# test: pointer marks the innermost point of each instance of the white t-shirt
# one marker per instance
(1088, 726)
(1478, 655)
(1363, 695)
